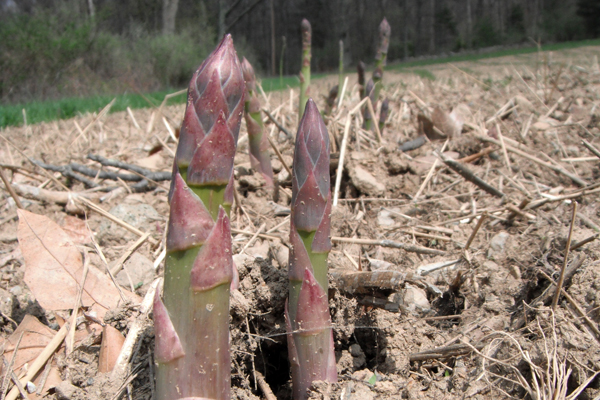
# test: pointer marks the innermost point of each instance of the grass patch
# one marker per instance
(423, 73)
(493, 54)
(43, 111)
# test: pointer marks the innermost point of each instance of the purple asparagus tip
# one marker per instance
(310, 180)
(215, 103)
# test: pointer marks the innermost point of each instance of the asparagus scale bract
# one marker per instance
(310, 337)
(260, 158)
(192, 321)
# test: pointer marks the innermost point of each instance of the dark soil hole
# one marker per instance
(273, 363)
(372, 341)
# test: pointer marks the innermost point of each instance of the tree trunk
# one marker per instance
(469, 25)
(432, 29)
(168, 14)
(273, 51)
(405, 23)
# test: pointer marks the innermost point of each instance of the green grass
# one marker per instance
(424, 73)
(43, 111)
(493, 54)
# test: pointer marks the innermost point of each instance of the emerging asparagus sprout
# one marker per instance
(191, 322)
(310, 337)
(305, 70)
(260, 158)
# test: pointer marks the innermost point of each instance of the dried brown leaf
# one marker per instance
(112, 342)
(54, 268)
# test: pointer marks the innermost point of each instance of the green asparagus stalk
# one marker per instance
(341, 73)
(385, 32)
(330, 101)
(383, 113)
(369, 92)
(305, 70)
(360, 69)
(260, 158)
(310, 338)
(192, 320)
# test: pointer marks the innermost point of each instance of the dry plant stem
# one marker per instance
(390, 243)
(40, 360)
(591, 148)
(279, 155)
(429, 174)
(477, 227)
(343, 92)
(119, 264)
(528, 156)
(119, 372)
(70, 342)
(591, 324)
(106, 214)
(264, 386)
(561, 279)
(468, 175)
(9, 366)
(277, 124)
(371, 110)
(10, 190)
(340, 170)
(585, 241)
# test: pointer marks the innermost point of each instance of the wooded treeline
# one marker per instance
(159, 29)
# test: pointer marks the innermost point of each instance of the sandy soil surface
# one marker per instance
(425, 317)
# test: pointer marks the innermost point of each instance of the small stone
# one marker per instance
(260, 250)
(359, 359)
(139, 268)
(137, 215)
(252, 182)
(282, 255)
(16, 290)
(66, 391)
(415, 300)
(7, 302)
(384, 218)
(498, 244)
(365, 182)
(355, 350)
(362, 392)
(524, 103)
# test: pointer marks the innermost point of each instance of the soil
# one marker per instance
(481, 328)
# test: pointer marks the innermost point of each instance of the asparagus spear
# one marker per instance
(360, 69)
(380, 59)
(305, 70)
(385, 31)
(310, 338)
(383, 113)
(259, 145)
(192, 321)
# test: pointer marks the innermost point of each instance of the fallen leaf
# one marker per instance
(112, 342)
(76, 229)
(35, 337)
(54, 268)
(445, 123)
